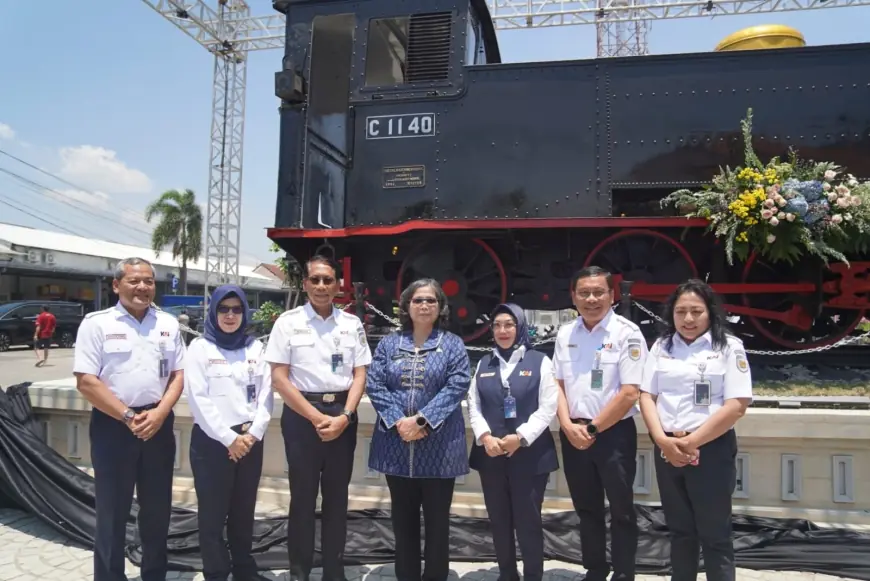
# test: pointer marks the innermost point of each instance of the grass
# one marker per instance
(830, 388)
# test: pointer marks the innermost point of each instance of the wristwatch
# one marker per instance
(591, 429)
(129, 415)
(421, 421)
(351, 416)
(523, 442)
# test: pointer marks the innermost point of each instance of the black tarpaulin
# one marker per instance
(37, 480)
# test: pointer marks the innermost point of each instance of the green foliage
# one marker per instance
(782, 209)
(291, 268)
(267, 314)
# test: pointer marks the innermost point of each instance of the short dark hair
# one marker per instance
(46, 308)
(718, 319)
(588, 272)
(408, 294)
(321, 259)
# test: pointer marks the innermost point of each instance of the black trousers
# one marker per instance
(226, 493)
(513, 501)
(407, 497)
(327, 467)
(608, 466)
(697, 505)
(122, 461)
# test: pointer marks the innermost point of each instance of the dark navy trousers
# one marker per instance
(513, 501)
(121, 462)
(226, 493)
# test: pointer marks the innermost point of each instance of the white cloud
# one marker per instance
(94, 199)
(98, 168)
(6, 132)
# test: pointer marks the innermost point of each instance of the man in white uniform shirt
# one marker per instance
(129, 362)
(599, 366)
(318, 356)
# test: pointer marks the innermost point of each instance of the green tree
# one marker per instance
(180, 227)
(292, 271)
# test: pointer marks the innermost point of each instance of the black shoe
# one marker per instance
(250, 577)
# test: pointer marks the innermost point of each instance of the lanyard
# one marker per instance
(701, 368)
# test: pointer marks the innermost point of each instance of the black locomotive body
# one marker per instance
(407, 149)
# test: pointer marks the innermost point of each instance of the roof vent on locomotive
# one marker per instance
(410, 149)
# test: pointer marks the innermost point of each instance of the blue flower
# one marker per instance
(797, 205)
(816, 212)
(811, 190)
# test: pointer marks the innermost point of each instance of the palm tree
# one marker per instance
(180, 226)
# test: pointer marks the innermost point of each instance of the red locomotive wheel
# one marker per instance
(470, 273)
(826, 328)
(644, 256)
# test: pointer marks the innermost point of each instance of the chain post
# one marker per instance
(625, 298)
(359, 296)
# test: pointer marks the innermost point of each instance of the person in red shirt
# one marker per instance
(45, 324)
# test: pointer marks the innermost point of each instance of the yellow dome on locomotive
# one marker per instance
(764, 36)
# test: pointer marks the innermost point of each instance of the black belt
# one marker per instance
(241, 428)
(583, 421)
(334, 397)
(682, 434)
(145, 408)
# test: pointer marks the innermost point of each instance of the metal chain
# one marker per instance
(841, 343)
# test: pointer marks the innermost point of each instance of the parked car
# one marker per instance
(18, 322)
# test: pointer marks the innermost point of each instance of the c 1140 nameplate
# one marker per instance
(405, 176)
(399, 126)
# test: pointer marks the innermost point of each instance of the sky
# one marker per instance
(111, 105)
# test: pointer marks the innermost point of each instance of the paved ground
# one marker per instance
(17, 366)
(30, 551)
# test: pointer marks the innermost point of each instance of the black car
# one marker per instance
(18, 322)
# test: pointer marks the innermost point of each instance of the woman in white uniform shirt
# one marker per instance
(229, 391)
(696, 385)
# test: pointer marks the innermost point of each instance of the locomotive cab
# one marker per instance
(342, 71)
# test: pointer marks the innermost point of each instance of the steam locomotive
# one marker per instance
(407, 149)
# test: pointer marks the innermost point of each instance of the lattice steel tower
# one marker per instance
(622, 36)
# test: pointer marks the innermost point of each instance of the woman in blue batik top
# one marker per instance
(417, 381)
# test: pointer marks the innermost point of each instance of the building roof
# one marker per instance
(11, 234)
(274, 269)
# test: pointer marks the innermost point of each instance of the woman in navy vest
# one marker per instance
(511, 402)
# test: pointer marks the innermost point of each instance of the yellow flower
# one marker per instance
(742, 237)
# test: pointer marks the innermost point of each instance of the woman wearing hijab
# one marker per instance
(229, 390)
(511, 402)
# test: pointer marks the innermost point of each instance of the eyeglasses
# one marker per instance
(585, 294)
(505, 326)
(223, 310)
(424, 300)
(327, 280)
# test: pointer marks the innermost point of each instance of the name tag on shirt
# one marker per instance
(337, 361)
(702, 393)
(597, 380)
(510, 407)
(251, 392)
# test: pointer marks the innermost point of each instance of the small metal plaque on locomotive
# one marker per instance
(404, 176)
(400, 126)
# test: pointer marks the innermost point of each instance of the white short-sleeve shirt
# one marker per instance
(615, 345)
(217, 382)
(307, 342)
(671, 376)
(125, 354)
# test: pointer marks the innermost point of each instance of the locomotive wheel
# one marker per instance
(826, 328)
(644, 256)
(471, 275)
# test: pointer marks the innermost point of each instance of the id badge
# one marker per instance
(702, 393)
(337, 361)
(597, 380)
(251, 392)
(510, 407)
(164, 368)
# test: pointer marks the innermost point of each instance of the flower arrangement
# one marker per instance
(783, 208)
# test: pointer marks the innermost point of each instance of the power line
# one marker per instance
(5, 201)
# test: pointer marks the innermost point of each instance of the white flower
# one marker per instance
(852, 183)
(774, 221)
(856, 201)
(781, 202)
(766, 214)
(847, 217)
(830, 174)
(826, 186)
(842, 190)
(836, 218)
(771, 238)
(843, 202)
(781, 215)
(789, 217)
(769, 203)
(832, 197)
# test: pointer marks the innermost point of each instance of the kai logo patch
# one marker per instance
(526, 373)
(742, 363)
(164, 333)
(634, 349)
